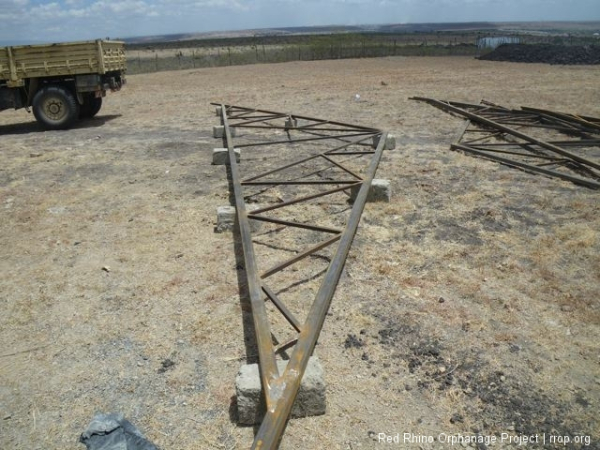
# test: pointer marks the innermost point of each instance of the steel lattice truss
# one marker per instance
(561, 145)
(304, 169)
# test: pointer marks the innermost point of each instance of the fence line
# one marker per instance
(227, 56)
(335, 47)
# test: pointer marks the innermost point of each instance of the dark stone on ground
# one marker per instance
(546, 53)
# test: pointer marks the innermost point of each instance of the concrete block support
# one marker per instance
(227, 218)
(380, 191)
(390, 142)
(221, 156)
(250, 398)
(290, 123)
(218, 111)
(295, 123)
(219, 131)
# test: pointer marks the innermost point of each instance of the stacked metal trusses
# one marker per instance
(530, 139)
(309, 176)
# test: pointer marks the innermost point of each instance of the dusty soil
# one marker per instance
(469, 304)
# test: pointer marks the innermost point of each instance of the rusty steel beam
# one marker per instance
(279, 267)
(301, 199)
(280, 389)
(268, 368)
(274, 423)
(290, 223)
(491, 123)
(530, 167)
(297, 116)
(319, 138)
(534, 117)
(586, 123)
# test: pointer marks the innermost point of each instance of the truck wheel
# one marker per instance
(55, 107)
(91, 106)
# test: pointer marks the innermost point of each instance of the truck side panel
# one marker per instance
(5, 64)
(59, 60)
(113, 56)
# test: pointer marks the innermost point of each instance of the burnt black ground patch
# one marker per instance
(496, 400)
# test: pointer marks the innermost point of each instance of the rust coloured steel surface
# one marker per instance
(555, 144)
(318, 162)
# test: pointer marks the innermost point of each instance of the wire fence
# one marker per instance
(179, 59)
(155, 59)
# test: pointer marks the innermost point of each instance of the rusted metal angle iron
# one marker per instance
(529, 167)
(490, 123)
(308, 158)
(280, 389)
(553, 152)
(521, 147)
(533, 117)
(586, 122)
(268, 367)
(296, 116)
(295, 259)
(578, 143)
(295, 141)
(274, 423)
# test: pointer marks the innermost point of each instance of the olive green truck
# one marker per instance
(60, 82)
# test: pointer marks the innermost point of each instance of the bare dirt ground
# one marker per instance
(470, 303)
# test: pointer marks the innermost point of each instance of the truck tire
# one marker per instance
(91, 106)
(55, 107)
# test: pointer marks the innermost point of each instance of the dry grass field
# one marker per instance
(469, 304)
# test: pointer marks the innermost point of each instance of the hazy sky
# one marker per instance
(26, 21)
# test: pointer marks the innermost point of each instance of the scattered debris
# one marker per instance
(114, 432)
(353, 342)
(166, 365)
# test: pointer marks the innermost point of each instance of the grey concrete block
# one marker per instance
(390, 142)
(290, 123)
(219, 131)
(218, 111)
(296, 123)
(221, 156)
(250, 398)
(225, 218)
(380, 191)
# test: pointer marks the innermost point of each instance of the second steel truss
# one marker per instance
(556, 144)
(294, 167)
